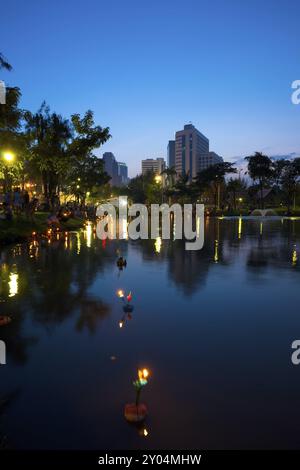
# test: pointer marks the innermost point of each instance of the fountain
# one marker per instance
(263, 212)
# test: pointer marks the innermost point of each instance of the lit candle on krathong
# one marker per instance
(135, 412)
(120, 294)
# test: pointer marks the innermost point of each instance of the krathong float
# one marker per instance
(137, 412)
(127, 307)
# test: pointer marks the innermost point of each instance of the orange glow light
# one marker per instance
(143, 374)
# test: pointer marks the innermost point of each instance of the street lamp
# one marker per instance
(8, 156)
(158, 179)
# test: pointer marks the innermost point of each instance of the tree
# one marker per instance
(260, 169)
(86, 178)
(143, 189)
(11, 139)
(48, 136)
(213, 178)
(86, 171)
(61, 150)
(170, 176)
(183, 190)
(289, 181)
(4, 64)
(234, 186)
(278, 169)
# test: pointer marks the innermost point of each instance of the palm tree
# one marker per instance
(260, 168)
(233, 187)
(213, 177)
(170, 176)
(4, 64)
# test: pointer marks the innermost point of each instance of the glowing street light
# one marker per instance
(8, 156)
(158, 179)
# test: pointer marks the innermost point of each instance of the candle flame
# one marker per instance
(143, 374)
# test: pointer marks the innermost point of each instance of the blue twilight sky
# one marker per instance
(147, 67)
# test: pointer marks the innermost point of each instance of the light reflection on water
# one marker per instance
(214, 326)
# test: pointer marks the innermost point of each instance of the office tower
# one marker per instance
(122, 173)
(156, 166)
(207, 159)
(189, 145)
(171, 154)
(111, 167)
(118, 171)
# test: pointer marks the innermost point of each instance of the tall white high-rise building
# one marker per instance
(156, 165)
(189, 145)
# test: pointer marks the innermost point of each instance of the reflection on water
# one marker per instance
(13, 284)
(214, 325)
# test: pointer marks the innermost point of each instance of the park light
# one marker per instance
(240, 199)
(8, 156)
(158, 179)
(88, 194)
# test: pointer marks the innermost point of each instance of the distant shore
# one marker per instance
(20, 228)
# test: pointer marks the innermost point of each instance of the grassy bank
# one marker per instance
(20, 228)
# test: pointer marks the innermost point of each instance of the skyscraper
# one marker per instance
(171, 154)
(189, 145)
(122, 173)
(155, 165)
(118, 171)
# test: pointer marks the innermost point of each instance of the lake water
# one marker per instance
(214, 327)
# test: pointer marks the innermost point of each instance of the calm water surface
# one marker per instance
(215, 328)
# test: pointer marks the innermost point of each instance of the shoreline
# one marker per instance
(20, 229)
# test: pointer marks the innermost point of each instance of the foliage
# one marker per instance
(261, 170)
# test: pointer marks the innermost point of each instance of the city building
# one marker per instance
(118, 171)
(123, 173)
(171, 154)
(154, 165)
(204, 160)
(189, 145)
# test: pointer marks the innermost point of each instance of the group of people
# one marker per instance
(16, 202)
